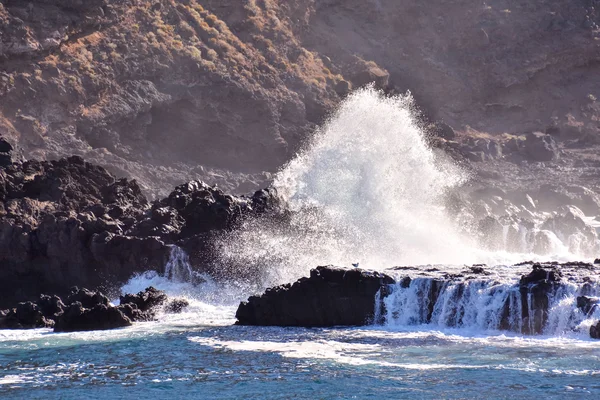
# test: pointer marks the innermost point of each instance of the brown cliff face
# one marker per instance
(154, 89)
(497, 66)
(165, 91)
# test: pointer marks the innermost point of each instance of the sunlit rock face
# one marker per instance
(169, 91)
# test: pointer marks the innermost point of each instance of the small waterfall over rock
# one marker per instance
(542, 307)
(178, 267)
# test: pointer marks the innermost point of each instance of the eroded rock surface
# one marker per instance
(68, 222)
(329, 297)
(86, 310)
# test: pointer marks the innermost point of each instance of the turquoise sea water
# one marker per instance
(179, 357)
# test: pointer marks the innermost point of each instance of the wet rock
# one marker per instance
(405, 282)
(587, 304)
(67, 222)
(176, 306)
(5, 153)
(101, 317)
(26, 315)
(87, 310)
(595, 331)
(329, 297)
(204, 208)
(540, 275)
(57, 230)
(536, 289)
(477, 269)
(51, 306)
(131, 311)
(146, 300)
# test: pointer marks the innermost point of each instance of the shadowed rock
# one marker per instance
(68, 222)
(26, 315)
(146, 300)
(329, 297)
(100, 317)
(595, 331)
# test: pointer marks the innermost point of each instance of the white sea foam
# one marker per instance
(369, 189)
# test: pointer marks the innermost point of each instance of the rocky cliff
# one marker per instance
(68, 222)
(165, 91)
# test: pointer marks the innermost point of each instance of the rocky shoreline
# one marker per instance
(334, 296)
(84, 310)
(70, 223)
(67, 223)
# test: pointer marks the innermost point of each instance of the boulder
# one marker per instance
(26, 315)
(146, 300)
(587, 304)
(369, 72)
(100, 317)
(329, 297)
(87, 298)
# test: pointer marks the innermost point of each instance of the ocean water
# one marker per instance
(184, 357)
(367, 189)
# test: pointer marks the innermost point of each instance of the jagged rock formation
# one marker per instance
(166, 91)
(84, 310)
(329, 297)
(68, 222)
(333, 296)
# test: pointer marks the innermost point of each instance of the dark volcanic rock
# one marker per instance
(87, 298)
(51, 306)
(26, 315)
(595, 331)
(587, 304)
(541, 147)
(101, 317)
(539, 275)
(87, 310)
(146, 300)
(535, 290)
(57, 230)
(68, 222)
(329, 297)
(176, 306)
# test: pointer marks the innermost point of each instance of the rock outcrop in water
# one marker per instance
(472, 300)
(84, 310)
(329, 297)
(68, 222)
